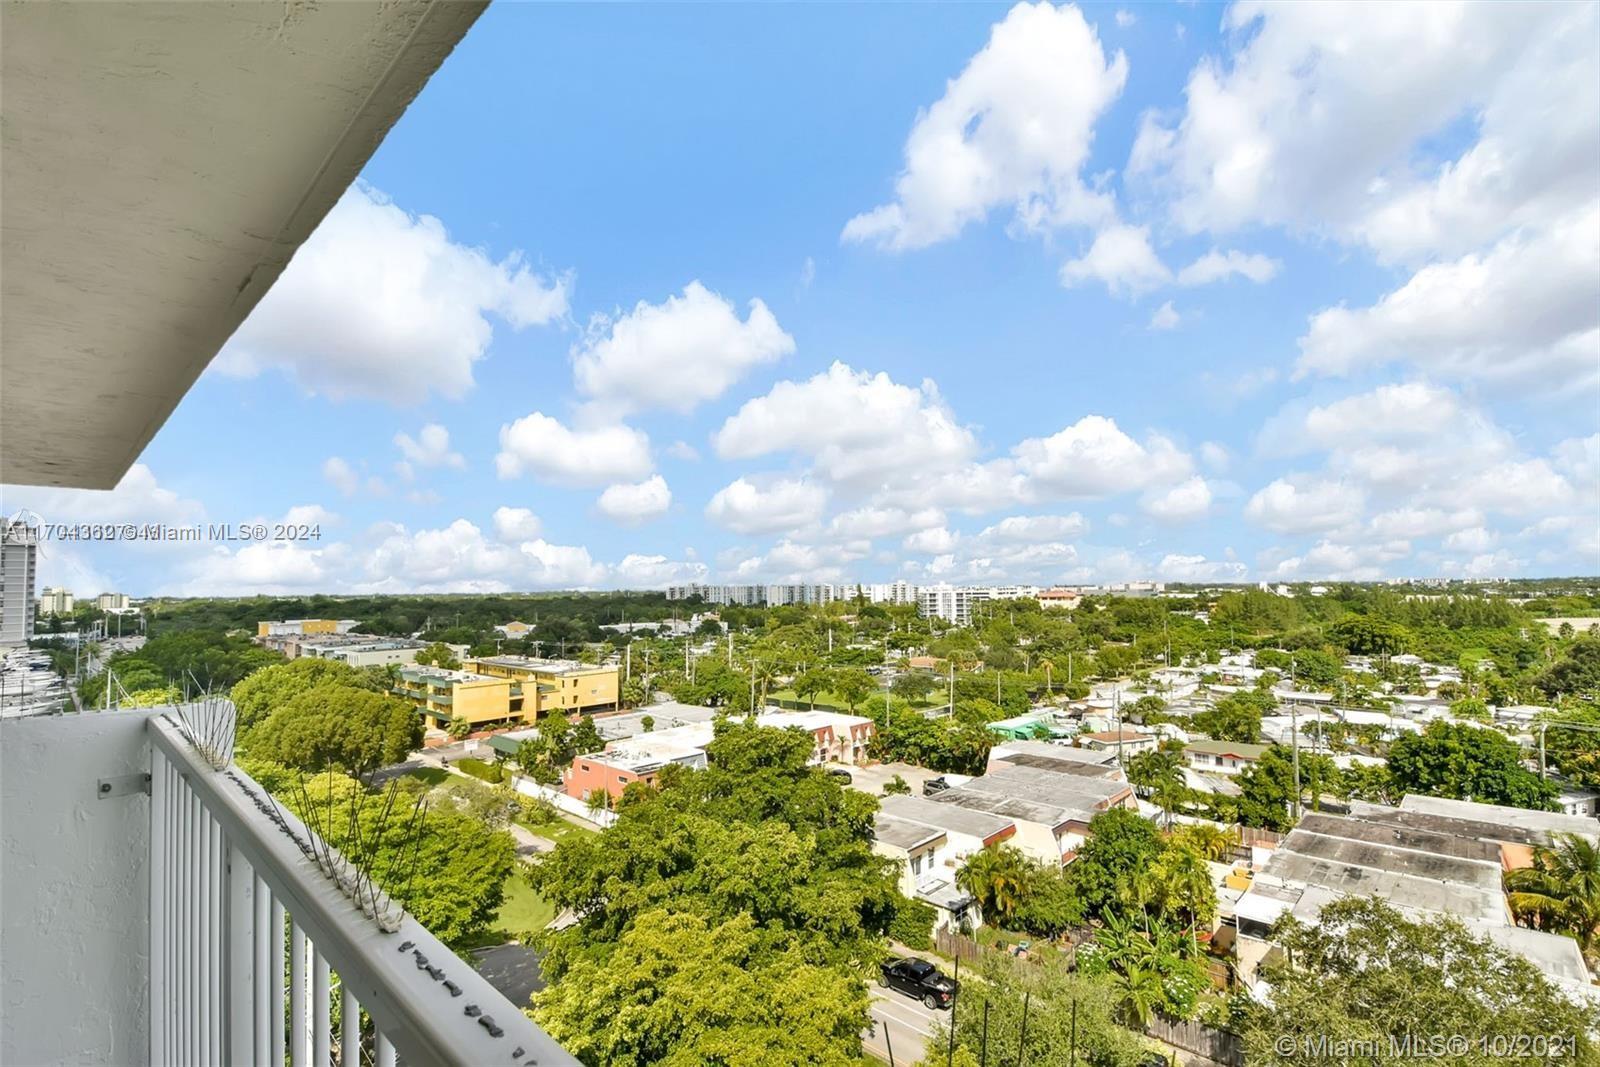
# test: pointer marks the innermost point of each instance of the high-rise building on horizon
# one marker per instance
(19, 552)
(55, 600)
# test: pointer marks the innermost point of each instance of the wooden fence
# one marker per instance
(960, 947)
(1220, 1046)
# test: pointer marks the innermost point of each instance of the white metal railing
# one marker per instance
(233, 890)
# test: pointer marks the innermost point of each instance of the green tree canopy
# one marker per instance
(439, 654)
(1467, 762)
(450, 874)
(680, 990)
(356, 730)
(1236, 717)
(760, 849)
(1060, 1006)
(1121, 844)
(1366, 972)
(272, 687)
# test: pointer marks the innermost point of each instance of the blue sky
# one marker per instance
(961, 293)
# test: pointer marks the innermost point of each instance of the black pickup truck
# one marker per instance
(919, 979)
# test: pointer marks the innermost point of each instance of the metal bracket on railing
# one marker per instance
(121, 786)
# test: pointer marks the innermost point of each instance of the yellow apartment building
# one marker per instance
(546, 686)
(304, 626)
(442, 695)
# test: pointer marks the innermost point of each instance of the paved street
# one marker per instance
(908, 1025)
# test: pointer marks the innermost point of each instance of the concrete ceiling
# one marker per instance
(160, 163)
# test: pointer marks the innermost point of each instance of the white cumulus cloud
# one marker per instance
(632, 503)
(677, 354)
(755, 506)
(430, 448)
(1012, 130)
(858, 427)
(542, 446)
(379, 303)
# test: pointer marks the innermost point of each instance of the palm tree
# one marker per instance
(1209, 842)
(1182, 887)
(1560, 892)
(997, 878)
(1159, 773)
(1138, 991)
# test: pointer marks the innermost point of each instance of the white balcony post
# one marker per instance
(350, 1027)
(262, 963)
(321, 1012)
(297, 997)
(275, 961)
(239, 995)
(385, 1051)
(158, 909)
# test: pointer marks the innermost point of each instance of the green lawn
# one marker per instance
(825, 700)
(429, 776)
(485, 772)
(523, 910)
(556, 829)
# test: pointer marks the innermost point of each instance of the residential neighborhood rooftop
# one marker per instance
(957, 819)
(1241, 749)
(1545, 822)
(903, 833)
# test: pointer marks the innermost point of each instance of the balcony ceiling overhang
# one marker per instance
(161, 164)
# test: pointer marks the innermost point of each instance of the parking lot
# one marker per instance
(901, 1024)
(873, 779)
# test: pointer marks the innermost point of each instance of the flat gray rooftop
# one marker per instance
(954, 819)
(1007, 807)
(1402, 890)
(1355, 828)
(1391, 860)
(903, 833)
(1061, 766)
(1474, 828)
(663, 717)
(1548, 822)
(1056, 752)
(1079, 796)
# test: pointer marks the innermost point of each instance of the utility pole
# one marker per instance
(1294, 738)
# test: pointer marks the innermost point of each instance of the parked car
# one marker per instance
(919, 979)
(934, 785)
(839, 772)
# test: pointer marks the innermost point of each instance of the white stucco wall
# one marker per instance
(74, 891)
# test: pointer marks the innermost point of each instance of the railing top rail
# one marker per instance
(404, 989)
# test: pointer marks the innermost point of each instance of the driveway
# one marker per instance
(873, 779)
(511, 968)
(528, 842)
(899, 1024)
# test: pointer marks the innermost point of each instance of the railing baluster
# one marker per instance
(385, 1050)
(207, 934)
(158, 902)
(260, 971)
(297, 996)
(321, 1012)
(277, 1020)
(187, 1022)
(197, 935)
(349, 1027)
(174, 914)
(239, 990)
(214, 933)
